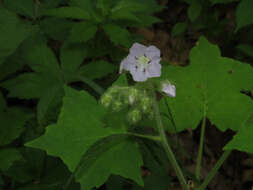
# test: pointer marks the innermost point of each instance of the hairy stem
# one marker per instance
(92, 84)
(201, 144)
(166, 146)
(149, 137)
(213, 172)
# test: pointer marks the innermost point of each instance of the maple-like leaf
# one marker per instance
(210, 86)
(79, 126)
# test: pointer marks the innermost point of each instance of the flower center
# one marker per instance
(142, 62)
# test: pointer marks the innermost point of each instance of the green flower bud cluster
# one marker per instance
(138, 100)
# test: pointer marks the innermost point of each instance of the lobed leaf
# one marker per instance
(80, 126)
(211, 84)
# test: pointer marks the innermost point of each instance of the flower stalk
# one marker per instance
(166, 146)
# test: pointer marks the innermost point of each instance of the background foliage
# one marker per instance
(58, 57)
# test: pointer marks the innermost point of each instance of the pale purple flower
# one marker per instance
(143, 62)
(169, 89)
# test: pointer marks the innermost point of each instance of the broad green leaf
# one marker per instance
(147, 20)
(12, 124)
(34, 84)
(212, 83)
(245, 48)
(9, 38)
(7, 157)
(244, 14)
(194, 10)
(29, 167)
(117, 152)
(179, 28)
(96, 69)
(72, 56)
(118, 35)
(61, 29)
(129, 5)
(82, 32)
(68, 12)
(25, 7)
(124, 15)
(80, 126)
(87, 5)
(242, 141)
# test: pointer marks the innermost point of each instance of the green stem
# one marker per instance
(213, 172)
(166, 146)
(149, 137)
(92, 84)
(201, 144)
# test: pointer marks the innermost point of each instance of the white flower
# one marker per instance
(169, 89)
(142, 62)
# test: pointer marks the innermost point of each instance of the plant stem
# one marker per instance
(201, 144)
(214, 170)
(92, 84)
(165, 144)
(149, 137)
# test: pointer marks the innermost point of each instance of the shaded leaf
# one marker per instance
(68, 12)
(96, 69)
(179, 28)
(118, 35)
(244, 14)
(194, 10)
(7, 157)
(12, 124)
(82, 32)
(245, 48)
(10, 24)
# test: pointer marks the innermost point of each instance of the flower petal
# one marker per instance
(138, 75)
(137, 50)
(154, 69)
(152, 52)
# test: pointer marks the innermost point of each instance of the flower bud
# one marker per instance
(106, 99)
(134, 115)
(169, 89)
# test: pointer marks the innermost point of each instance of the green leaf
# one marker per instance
(80, 126)
(96, 69)
(242, 141)
(124, 15)
(34, 84)
(179, 28)
(82, 32)
(87, 5)
(25, 7)
(14, 120)
(9, 38)
(118, 35)
(212, 83)
(72, 56)
(244, 14)
(61, 29)
(245, 48)
(68, 12)
(117, 152)
(194, 10)
(7, 157)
